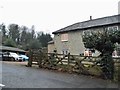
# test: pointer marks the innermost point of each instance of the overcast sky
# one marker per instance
(51, 15)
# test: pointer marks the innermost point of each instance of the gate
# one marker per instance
(69, 63)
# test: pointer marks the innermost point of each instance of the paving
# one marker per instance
(17, 75)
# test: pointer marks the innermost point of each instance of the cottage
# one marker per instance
(69, 39)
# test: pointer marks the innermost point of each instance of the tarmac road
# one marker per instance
(20, 76)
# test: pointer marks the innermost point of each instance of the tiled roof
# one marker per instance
(91, 23)
(11, 49)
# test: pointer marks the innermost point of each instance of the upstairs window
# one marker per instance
(112, 28)
(64, 37)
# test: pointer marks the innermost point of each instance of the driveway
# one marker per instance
(17, 75)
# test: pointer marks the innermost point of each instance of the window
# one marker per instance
(87, 52)
(64, 37)
(65, 51)
(88, 32)
(112, 28)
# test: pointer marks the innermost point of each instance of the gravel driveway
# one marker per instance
(17, 75)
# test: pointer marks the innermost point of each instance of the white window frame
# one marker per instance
(112, 28)
(64, 37)
(65, 51)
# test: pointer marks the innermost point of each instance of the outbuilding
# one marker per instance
(12, 49)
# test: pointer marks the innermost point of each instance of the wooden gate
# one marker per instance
(70, 63)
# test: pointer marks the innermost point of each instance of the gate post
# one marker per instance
(68, 59)
(30, 58)
(40, 57)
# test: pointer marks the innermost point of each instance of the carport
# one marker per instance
(11, 49)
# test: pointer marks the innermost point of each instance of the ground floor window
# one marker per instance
(65, 51)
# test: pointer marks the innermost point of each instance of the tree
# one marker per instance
(33, 31)
(4, 35)
(23, 34)
(10, 43)
(3, 29)
(103, 41)
(44, 38)
(28, 38)
(35, 44)
(23, 37)
(14, 32)
(0, 35)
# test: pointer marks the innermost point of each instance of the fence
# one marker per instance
(70, 63)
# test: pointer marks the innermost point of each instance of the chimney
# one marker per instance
(90, 17)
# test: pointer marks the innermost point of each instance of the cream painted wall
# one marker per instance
(51, 48)
(74, 43)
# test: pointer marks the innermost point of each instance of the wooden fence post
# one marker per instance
(40, 57)
(30, 58)
(68, 59)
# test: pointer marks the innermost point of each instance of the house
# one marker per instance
(69, 39)
(51, 46)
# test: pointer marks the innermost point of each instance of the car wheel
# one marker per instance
(12, 59)
(20, 60)
(24, 59)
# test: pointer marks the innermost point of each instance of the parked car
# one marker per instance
(24, 57)
(15, 56)
(0, 56)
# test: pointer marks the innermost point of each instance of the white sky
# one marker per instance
(51, 15)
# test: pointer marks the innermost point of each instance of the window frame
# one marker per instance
(64, 37)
